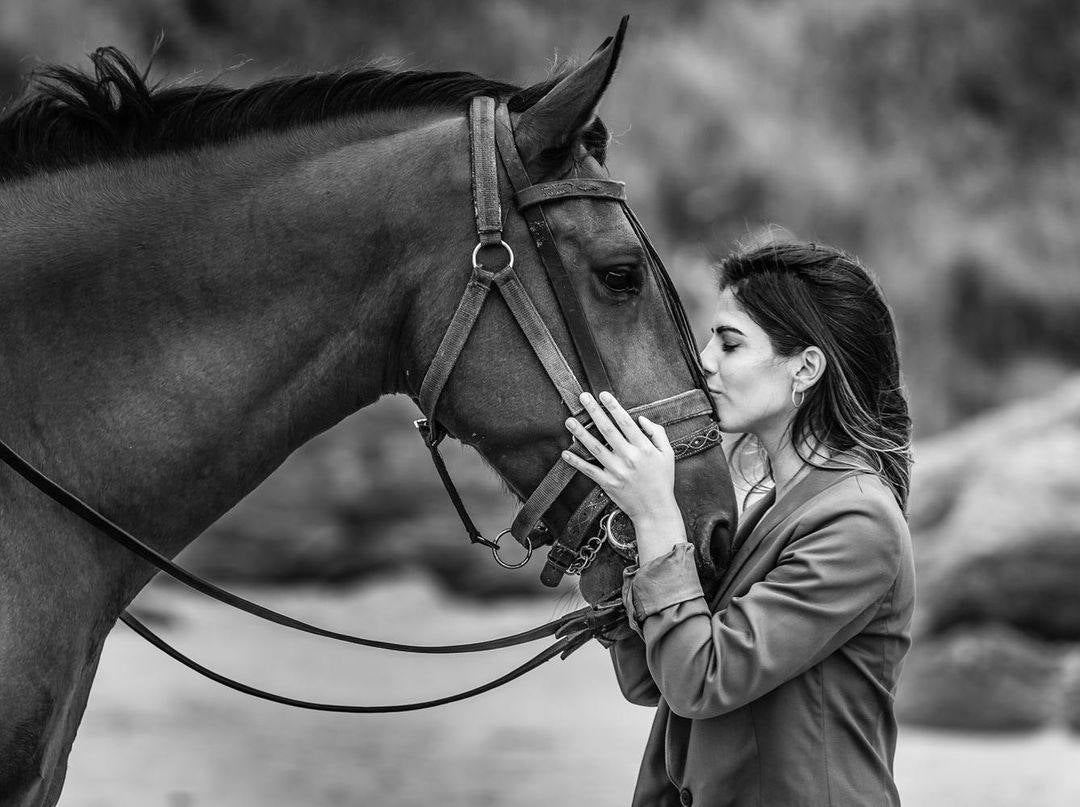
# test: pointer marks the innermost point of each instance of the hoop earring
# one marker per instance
(799, 402)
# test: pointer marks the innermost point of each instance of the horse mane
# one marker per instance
(76, 118)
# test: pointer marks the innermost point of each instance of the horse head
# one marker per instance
(498, 397)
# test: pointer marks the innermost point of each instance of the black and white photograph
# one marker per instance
(532, 404)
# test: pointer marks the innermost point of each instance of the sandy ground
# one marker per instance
(157, 734)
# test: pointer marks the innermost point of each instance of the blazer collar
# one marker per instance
(815, 481)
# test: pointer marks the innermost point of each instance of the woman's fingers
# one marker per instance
(656, 434)
(594, 472)
(594, 446)
(630, 430)
(603, 423)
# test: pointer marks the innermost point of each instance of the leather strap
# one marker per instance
(671, 412)
(569, 189)
(677, 311)
(432, 438)
(543, 343)
(554, 363)
(687, 420)
(574, 629)
(564, 551)
(453, 341)
(578, 630)
(77, 506)
(543, 496)
(596, 375)
(485, 175)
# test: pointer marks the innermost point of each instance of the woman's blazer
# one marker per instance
(780, 691)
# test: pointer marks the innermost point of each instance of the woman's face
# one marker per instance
(750, 382)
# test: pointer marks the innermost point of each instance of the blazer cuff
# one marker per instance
(660, 583)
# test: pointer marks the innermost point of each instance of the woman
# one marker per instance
(780, 690)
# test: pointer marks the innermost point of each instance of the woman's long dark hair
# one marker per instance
(811, 294)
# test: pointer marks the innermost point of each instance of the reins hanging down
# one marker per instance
(573, 629)
(103, 524)
(569, 641)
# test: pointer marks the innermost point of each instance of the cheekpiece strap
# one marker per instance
(596, 375)
(569, 189)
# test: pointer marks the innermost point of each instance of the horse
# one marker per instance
(195, 280)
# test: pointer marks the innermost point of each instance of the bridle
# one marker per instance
(689, 417)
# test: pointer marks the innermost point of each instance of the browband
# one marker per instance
(569, 188)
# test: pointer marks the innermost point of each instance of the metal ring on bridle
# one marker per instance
(503, 563)
(605, 524)
(476, 253)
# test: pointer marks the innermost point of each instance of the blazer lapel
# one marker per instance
(815, 481)
(749, 520)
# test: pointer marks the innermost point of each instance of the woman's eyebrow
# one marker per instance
(719, 330)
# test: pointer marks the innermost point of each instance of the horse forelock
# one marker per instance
(70, 118)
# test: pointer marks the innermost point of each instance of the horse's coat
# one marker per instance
(176, 323)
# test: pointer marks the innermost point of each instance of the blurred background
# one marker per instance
(939, 141)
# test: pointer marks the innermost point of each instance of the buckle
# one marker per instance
(429, 432)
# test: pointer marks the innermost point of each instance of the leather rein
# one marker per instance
(689, 417)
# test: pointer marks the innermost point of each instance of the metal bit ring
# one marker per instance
(605, 525)
(503, 563)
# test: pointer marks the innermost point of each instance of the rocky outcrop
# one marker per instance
(984, 677)
(995, 516)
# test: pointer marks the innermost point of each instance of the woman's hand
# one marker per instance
(637, 472)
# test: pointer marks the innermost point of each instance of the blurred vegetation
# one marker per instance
(938, 141)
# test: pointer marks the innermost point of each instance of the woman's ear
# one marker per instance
(569, 108)
(810, 366)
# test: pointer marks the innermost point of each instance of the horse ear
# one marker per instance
(568, 108)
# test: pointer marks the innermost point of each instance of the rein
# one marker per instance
(573, 629)
(103, 524)
(689, 417)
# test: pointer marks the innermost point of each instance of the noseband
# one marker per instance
(690, 418)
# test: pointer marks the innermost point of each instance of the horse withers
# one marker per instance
(197, 280)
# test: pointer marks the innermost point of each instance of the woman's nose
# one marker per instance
(708, 361)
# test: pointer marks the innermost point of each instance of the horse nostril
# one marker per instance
(719, 549)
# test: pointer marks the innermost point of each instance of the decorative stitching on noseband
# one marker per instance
(697, 442)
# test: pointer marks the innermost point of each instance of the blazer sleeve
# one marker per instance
(825, 588)
(632, 671)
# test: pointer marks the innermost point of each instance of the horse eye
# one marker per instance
(619, 279)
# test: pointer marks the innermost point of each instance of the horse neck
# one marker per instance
(196, 318)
